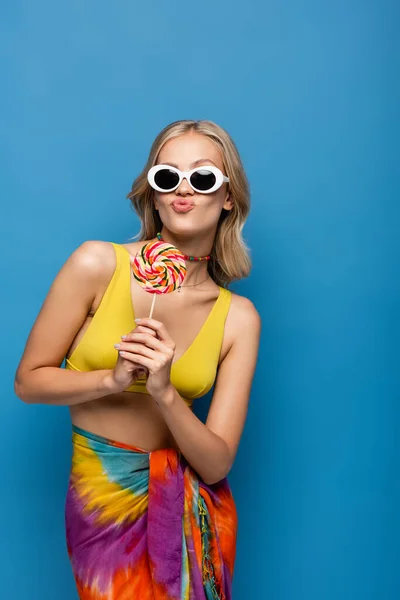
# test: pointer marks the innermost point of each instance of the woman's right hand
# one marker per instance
(126, 371)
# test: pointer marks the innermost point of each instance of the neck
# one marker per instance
(196, 271)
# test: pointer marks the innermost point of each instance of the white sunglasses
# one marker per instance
(204, 180)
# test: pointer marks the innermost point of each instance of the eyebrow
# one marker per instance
(194, 164)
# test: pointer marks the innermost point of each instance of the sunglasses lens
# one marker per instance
(203, 179)
(166, 179)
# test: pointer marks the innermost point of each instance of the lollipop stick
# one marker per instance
(152, 305)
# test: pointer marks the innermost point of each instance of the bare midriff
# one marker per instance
(129, 417)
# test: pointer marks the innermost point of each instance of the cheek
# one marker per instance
(214, 201)
(163, 199)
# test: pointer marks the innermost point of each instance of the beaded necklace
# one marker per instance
(187, 257)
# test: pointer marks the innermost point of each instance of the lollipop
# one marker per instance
(159, 268)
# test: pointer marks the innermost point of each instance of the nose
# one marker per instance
(184, 189)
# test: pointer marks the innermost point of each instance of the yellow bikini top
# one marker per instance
(192, 375)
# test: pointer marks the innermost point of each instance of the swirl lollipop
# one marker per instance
(159, 268)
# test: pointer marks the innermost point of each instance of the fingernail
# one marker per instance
(137, 320)
(116, 346)
(123, 337)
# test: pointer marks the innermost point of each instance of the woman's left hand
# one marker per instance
(155, 353)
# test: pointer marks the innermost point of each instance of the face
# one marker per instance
(186, 152)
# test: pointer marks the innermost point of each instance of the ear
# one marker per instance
(228, 204)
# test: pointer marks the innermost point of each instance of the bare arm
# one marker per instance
(61, 387)
(39, 377)
(211, 448)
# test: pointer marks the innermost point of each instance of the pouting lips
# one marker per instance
(181, 207)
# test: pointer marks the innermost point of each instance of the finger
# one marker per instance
(151, 342)
(137, 349)
(144, 329)
(134, 363)
(139, 359)
(139, 329)
(159, 327)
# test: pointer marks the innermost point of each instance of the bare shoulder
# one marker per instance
(94, 257)
(242, 308)
(242, 314)
(96, 260)
(243, 320)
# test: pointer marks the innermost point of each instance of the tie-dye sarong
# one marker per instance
(143, 525)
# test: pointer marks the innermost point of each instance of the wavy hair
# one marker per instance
(230, 258)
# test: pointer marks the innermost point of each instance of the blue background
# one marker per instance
(309, 91)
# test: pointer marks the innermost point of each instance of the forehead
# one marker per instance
(188, 149)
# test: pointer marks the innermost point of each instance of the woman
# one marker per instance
(149, 511)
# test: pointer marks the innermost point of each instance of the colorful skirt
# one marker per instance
(144, 526)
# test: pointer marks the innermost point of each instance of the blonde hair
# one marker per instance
(230, 259)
